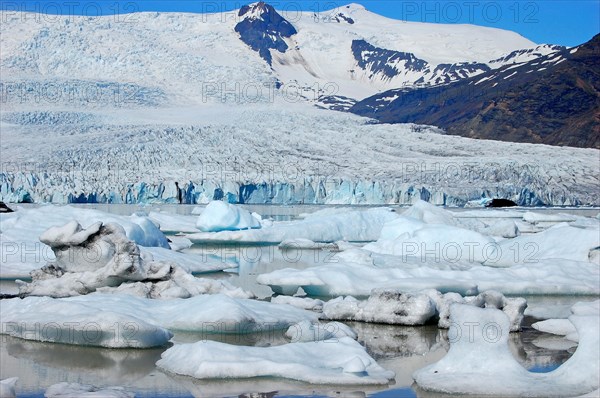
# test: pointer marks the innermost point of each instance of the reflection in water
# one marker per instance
(118, 366)
(253, 260)
(268, 388)
(266, 338)
(389, 341)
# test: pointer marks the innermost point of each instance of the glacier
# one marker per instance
(271, 155)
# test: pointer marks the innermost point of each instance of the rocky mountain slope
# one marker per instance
(554, 99)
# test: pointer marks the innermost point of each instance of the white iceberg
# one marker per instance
(101, 257)
(306, 331)
(383, 306)
(361, 274)
(392, 306)
(349, 279)
(118, 320)
(513, 307)
(21, 251)
(342, 362)
(306, 303)
(561, 241)
(68, 322)
(174, 223)
(220, 216)
(347, 225)
(190, 262)
(548, 311)
(563, 326)
(76, 390)
(479, 361)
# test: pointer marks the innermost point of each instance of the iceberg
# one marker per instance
(341, 361)
(383, 306)
(21, 251)
(57, 321)
(563, 326)
(479, 361)
(305, 303)
(408, 237)
(173, 223)
(119, 320)
(220, 216)
(513, 307)
(392, 306)
(101, 257)
(346, 225)
(546, 245)
(361, 274)
(306, 331)
(349, 279)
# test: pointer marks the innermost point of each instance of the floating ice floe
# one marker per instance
(561, 241)
(341, 361)
(479, 361)
(347, 225)
(407, 236)
(363, 271)
(305, 303)
(513, 307)
(22, 252)
(221, 216)
(7, 387)
(102, 257)
(67, 322)
(534, 218)
(543, 311)
(391, 306)
(383, 306)
(495, 223)
(191, 262)
(563, 326)
(306, 331)
(301, 243)
(76, 390)
(174, 223)
(411, 254)
(118, 320)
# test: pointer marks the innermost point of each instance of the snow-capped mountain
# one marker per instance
(550, 99)
(158, 107)
(181, 58)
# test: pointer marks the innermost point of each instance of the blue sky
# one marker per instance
(566, 22)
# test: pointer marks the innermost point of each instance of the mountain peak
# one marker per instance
(256, 10)
(354, 7)
(263, 29)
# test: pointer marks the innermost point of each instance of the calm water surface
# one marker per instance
(398, 348)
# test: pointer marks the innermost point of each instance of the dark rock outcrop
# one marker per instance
(263, 29)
